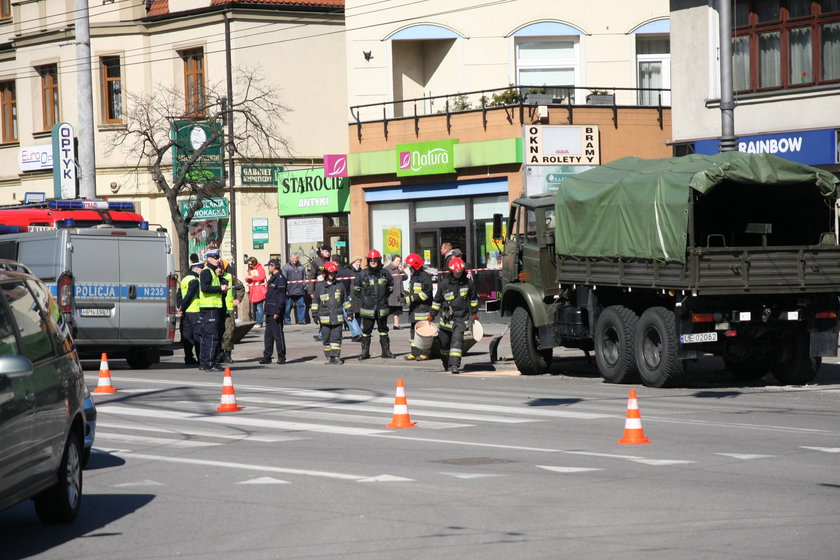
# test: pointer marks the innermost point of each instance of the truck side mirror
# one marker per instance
(497, 227)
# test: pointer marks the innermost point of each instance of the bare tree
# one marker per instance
(148, 141)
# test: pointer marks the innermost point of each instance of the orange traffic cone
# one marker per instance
(633, 433)
(104, 385)
(228, 395)
(400, 418)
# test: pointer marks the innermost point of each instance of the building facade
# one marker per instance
(449, 102)
(146, 47)
(786, 73)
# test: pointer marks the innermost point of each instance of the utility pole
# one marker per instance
(727, 98)
(230, 146)
(87, 150)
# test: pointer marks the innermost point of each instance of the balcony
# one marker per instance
(513, 98)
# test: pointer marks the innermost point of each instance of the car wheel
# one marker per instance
(138, 360)
(61, 503)
(85, 457)
(614, 335)
(799, 368)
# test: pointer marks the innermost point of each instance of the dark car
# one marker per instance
(42, 422)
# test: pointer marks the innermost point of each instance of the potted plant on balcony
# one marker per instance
(600, 97)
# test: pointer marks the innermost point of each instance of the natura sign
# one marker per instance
(426, 158)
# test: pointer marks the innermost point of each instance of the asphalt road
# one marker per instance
(499, 465)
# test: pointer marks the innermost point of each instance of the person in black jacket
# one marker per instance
(373, 286)
(329, 304)
(188, 305)
(275, 308)
(418, 297)
(315, 274)
(457, 301)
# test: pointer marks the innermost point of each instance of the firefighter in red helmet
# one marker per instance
(418, 296)
(373, 286)
(456, 300)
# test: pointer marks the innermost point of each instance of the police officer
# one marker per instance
(373, 286)
(457, 301)
(191, 314)
(275, 308)
(418, 297)
(329, 304)
(212, 290)
(235, 294)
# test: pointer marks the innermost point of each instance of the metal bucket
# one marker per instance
(424, 335)
(471, 338)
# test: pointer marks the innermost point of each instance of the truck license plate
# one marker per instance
(95, 312)
(698, 337)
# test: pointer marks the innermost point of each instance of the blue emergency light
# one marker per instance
(90, 205)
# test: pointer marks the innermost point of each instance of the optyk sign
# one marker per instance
(64, 168)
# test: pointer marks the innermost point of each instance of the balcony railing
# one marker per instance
(570, 97)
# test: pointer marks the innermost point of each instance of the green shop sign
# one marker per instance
(211, 209)
(425, 158)
(308, 192)
(188, 137)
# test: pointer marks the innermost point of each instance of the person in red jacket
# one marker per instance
(255, 279)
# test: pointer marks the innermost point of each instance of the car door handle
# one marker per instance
(132, 291)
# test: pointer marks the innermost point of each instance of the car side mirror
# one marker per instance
(13, 365)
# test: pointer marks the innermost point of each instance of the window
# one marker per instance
(5, 9)
(194, 81)
(34, 333)
(112, 111)
(547, 62)
(8, 108)
(653, 60)
(49, 94)
(785, 43)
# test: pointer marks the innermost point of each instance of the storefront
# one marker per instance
(811, 147)
(315, 211)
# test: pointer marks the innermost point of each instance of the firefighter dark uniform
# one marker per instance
(212, 290)
(418, 296)
(191, 314)
(373, 286)
(236, 291)
(329, 303)
(457, 302)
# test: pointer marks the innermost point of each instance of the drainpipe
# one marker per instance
(727, 98)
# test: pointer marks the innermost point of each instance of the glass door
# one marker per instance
(427, 246)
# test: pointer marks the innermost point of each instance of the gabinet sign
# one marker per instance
(561, 145)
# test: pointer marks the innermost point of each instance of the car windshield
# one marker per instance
(8, 344)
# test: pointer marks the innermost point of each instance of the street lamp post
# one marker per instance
(230, 146)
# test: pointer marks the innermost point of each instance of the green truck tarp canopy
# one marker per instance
(637, 208)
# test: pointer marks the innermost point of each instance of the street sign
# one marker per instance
(259, 174)
(190, 136)
(211, 209)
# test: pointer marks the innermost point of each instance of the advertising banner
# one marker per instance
(307, 191)
(189, 136)
(391, 242)
(426, 158)
(561, 145)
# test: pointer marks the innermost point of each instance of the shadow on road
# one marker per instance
(24, 536)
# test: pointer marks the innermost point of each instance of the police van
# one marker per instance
(116, 286)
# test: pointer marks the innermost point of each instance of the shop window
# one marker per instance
(389, 228)
(442, 210)
(785, 44)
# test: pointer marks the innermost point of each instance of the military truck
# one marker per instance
(653, 263)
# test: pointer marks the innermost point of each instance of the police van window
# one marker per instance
(531, 226)
(34, 332)
(8, 343)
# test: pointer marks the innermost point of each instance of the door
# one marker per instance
(16, 411)
(95, 265)
(427, 244)
(143, 289)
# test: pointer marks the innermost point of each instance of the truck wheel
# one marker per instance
(138, 360)
(61, 502)
(656, 348)
(523, 342)
(614, 353)
(800, 368)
